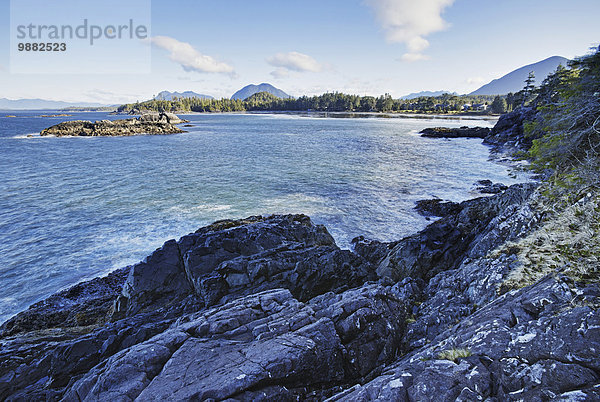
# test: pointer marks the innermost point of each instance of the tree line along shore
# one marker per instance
(335, 102)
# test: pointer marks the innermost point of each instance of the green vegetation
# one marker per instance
(566, 131)
(328, 102)
(454, 354)
(567, 241)
(565, 136)
(499, 105)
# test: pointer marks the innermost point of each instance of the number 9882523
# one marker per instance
(41, 47)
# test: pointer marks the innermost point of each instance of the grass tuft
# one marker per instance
(454, 354)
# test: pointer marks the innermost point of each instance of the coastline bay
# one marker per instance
(81, 207)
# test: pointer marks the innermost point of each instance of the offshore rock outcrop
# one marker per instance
(150, 123)
(436, 207)
(460, 132)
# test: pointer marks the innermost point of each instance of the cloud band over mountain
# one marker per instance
(293, 61)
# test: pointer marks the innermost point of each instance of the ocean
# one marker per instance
(75, 208)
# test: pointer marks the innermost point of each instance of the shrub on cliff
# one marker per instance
(567, 127)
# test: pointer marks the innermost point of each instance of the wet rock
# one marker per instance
(161, 277)
(487, 187)
(461, 132)
(269, 308)
(45, 361)
(151, 123)
(233, 258)
(437, 207)
(444, 244)
(220, 263)
(371, 250)
(370, 321)
(256, 345)
(85, 304)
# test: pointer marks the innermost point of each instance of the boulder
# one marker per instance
(162, 117)
(237, 257)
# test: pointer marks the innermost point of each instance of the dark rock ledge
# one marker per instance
(150, 123)
(461, 132)
(269, 308)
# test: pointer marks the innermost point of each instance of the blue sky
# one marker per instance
(309, 47)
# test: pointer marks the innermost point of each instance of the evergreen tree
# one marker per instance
(529, 88)
(499, 105)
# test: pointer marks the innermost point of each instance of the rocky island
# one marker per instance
(148, 123)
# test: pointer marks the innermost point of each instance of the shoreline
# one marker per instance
(457, 116)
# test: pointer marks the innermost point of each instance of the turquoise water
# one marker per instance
(75, 208)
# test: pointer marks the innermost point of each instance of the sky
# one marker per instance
(308, 47)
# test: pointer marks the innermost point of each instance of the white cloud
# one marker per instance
(109, 97)
(475, 80)
(280, 73)
(409, 21)
(189, 58)
(293, 61)
(410, 57)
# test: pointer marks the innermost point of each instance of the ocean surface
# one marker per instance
(75, 208)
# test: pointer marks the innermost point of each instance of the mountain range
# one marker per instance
(252, 89)
(511, 82)
(514, 81)
(415, 95)
(39, 104)
(166, 95)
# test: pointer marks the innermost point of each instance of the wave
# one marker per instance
(201, 208)
(28, 135)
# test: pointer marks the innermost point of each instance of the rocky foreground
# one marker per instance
(270, 308)
(149, 123)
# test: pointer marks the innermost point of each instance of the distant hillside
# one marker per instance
(262, 97)
(252, 89)
(426, 93)
(36, 104)
(166, 95)
(513, 81)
